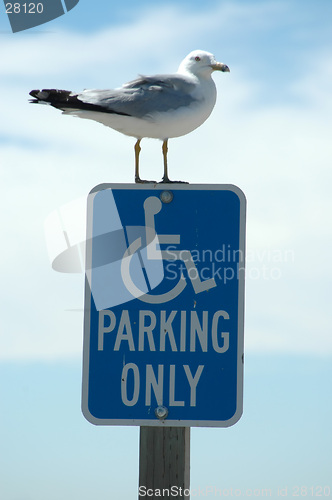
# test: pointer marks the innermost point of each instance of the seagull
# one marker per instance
(159, 107)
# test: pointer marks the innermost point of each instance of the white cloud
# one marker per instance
(278, 154)
(143, 39)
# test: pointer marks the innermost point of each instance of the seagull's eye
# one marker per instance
(197, 58)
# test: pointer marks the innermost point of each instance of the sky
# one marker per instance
(269, 134)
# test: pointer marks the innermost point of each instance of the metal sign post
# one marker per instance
(164, 306)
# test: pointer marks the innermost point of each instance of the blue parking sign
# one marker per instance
(164, 305)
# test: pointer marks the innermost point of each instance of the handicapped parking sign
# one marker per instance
(164, 305)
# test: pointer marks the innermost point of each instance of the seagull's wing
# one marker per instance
(142, 97)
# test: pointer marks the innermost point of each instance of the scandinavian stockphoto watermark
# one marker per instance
(137, 259)
(226, 264)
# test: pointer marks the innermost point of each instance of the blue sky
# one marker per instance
(270, 134)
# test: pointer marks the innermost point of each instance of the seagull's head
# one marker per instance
(201, 63)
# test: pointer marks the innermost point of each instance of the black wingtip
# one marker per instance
(65, 99)
(52, 96)
(34, 93)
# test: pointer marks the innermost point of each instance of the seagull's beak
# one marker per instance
(220, 67)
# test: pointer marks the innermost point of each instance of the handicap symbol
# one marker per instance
(152, 206)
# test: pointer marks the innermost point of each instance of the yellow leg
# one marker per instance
(137, 152)
(165, 150)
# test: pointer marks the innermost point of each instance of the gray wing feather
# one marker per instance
(143, 96)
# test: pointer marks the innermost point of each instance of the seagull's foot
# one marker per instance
(138, 180)
(166, 180)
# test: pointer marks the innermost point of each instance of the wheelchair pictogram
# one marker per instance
(152, 206)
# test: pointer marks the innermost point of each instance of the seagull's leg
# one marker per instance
(137, 152)
(165, 177)
(165, 150)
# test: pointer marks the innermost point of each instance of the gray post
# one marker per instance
(164, 462)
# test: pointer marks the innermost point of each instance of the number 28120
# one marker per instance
(25, 8)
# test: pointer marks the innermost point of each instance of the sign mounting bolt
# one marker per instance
(161, 412)
(166, 196)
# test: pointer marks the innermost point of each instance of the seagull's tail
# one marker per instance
(51, 96)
